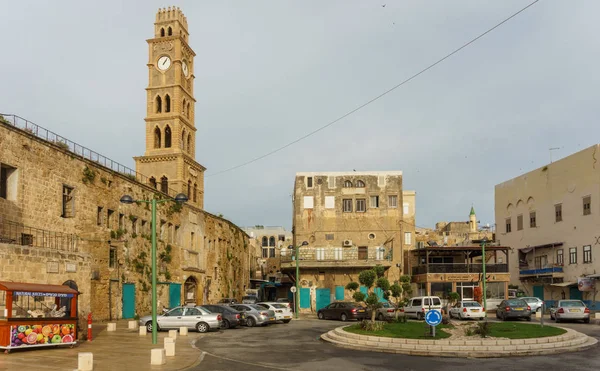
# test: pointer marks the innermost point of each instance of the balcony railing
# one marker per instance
(540, 271)
(339, 254)
(460, 268)
(19, 234)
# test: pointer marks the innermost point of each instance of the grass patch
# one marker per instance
(522, 330)
(408, 330)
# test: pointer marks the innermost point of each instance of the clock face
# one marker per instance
(164, 63)
(185, 69)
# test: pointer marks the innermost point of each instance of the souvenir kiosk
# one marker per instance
(37, 315)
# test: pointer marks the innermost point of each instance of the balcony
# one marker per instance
(459, 268)
(331, 257)
(547, 271)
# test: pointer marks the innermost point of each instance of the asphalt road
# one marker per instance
(296, 346)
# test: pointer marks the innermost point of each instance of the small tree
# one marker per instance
(396, 293)
(370, 278)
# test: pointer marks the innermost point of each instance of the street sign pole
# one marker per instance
(433, 318)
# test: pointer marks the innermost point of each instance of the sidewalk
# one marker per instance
(120, 350)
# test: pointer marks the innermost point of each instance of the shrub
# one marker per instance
(483, 329)
(445, 320)
(371, 326)
(469, 331)
(401, 319)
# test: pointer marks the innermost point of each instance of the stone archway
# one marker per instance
(66, 302)
(190, 289)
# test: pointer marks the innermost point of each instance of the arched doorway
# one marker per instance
(190, 287)
(66, 302)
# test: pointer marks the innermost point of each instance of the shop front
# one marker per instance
(37, 315)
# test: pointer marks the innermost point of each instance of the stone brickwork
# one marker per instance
(191, 242)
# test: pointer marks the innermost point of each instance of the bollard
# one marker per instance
(133, 325)
(158, 357)
(170, 349)
(111, 326)
(183, 331)
(173, 334)
(169, 340)
(85, 361)
(143, 331)
(538, 314)
(597, 315)
(89, 334)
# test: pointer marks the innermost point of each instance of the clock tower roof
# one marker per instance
(171, 14)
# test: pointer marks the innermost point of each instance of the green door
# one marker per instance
(538, 292)
(174, 295)
(323, 298)
(574, 293)
(128, 300)
(379, 293)
(339, 293)
(364, 290)
(304, 298)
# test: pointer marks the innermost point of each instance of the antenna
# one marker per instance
(553, 149)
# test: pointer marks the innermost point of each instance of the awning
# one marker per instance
(593, 276)
(36, 288)
(564, 284)
(544, 246)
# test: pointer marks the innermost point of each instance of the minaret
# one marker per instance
(169, 160)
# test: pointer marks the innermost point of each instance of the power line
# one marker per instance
(377, 97)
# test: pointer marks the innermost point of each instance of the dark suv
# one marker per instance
(231, 317)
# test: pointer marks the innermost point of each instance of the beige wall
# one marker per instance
(565, 182)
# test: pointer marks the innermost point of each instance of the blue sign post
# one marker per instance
(433, 318)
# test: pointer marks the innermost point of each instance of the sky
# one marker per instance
(269, 72)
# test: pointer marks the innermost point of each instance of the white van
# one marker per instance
(419, 305)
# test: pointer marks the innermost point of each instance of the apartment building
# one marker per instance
(344, 223)
(551, 217)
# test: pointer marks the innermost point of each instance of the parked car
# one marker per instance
(286, 301)
(570, 310)
(255, 315)
(534, 303)
(419, 305)
(343, 311)
(231, 318)
(249, 299)
(191, 317)
(513, 308)
(387, 311)
(228, 301)
(467, 309)
(282, 312)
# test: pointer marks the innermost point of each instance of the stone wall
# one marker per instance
(191, 242)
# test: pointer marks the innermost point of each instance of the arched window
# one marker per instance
(265, 241)
(158, 104)
(184, 107)
(195, 192)
(183, 141)
(170, 31)
(348, 184)
(188, 110)
(152, 182)
(189, 143)
(360, 184)
(168, 137)
(272, 241)
(164, 184)
(189, 193)
(162, 32)
(167, 103)
(156, 137)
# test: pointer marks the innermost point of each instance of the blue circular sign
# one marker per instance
(433, 317)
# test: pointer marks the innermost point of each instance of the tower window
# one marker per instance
(162, 32)
(170, 31)
(164, 184)
(183, 144)
(188, 110)
(158, 104)
(189, 192)
(167, 103)
(189, 143)
(157, 138)
(168, 137)
(152, 182)
(184, 107)
(195, 192)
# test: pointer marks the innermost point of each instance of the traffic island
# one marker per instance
(461, 345)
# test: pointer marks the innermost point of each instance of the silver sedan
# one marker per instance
(570, 310)
(195, 318)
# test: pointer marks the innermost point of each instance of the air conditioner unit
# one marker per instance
(347, 243)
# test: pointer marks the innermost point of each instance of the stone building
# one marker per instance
(350, 221)
(455, 233)
(61, 221)
(550, 216)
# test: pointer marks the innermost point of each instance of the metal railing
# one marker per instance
(459, 268)
(339, 254)
(79, 150)
(19, 234)
(545, 270)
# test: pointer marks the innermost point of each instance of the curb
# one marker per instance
(571, 341)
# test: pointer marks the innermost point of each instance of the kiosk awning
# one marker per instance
(564, 284)
(36, 287)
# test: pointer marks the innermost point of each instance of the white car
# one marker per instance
(282, 311)
(467, 309)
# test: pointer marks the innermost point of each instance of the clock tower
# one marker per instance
(169, 160)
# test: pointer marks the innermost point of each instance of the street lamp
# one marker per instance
(127, 199)
(297, 296)
(484, 279)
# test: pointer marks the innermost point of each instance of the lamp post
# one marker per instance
(127, 199)
(297, 305)
(484, 276)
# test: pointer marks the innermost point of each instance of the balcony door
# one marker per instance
(466, 290)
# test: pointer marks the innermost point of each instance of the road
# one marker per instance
(296, 346)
